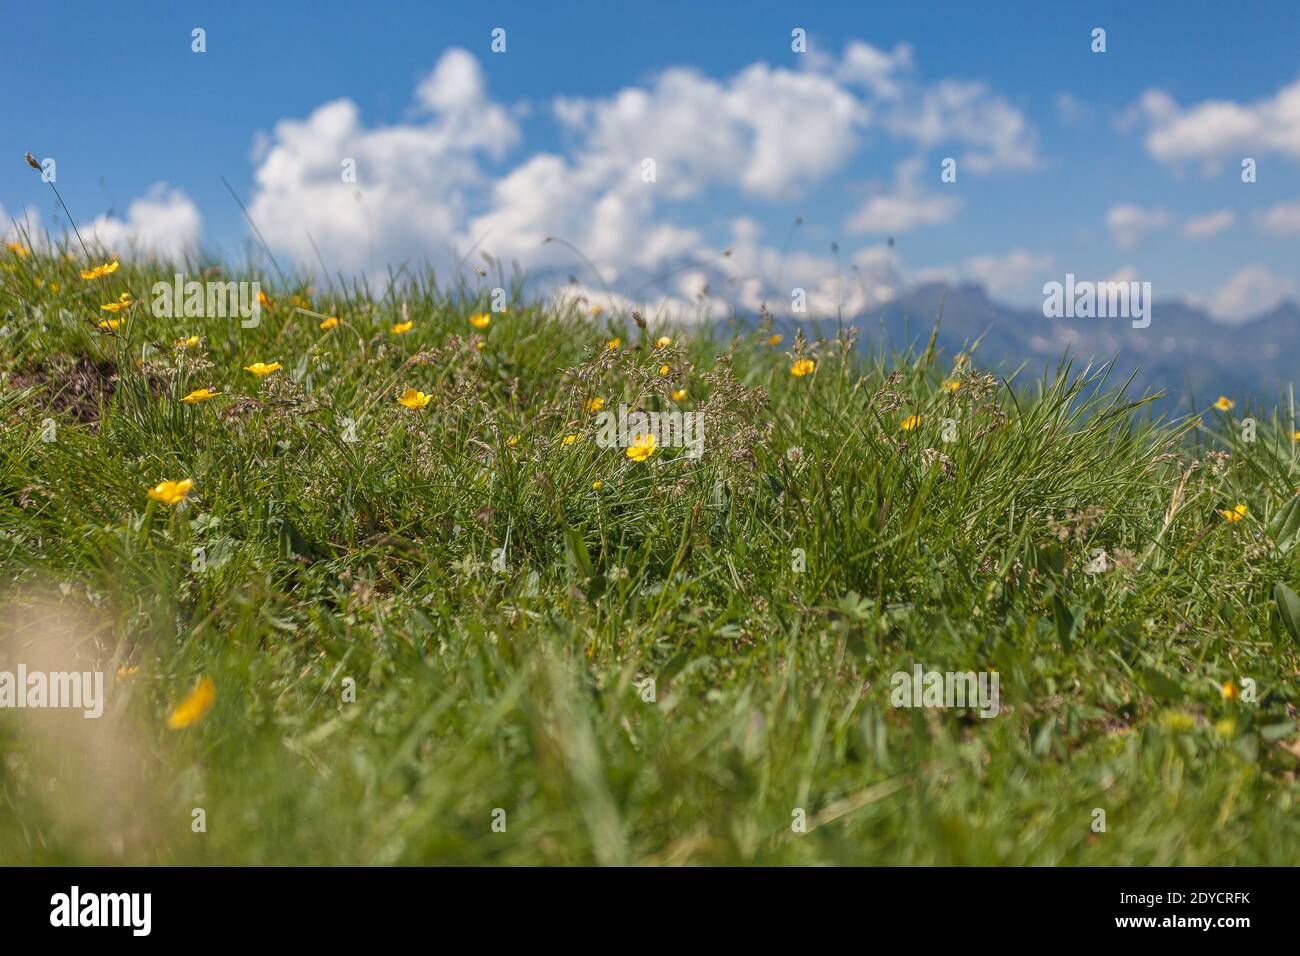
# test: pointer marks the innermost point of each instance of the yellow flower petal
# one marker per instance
(200, 395)
(171, 492)
(330, 323)
(802, 367)
(911, 422)
(262, 369)
(642, 447)
(196, 703)
(1225, 404)
(412, 398)
(401, 328)
(480, 321)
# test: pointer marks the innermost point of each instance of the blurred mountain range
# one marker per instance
(1183, 353)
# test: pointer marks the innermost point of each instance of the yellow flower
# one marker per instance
(613, 344)
(1235, 514)
(261, 369)
(512, 441)
(643, 446)
(596, 310)
(331, 323)
(568, 440)
(1225, 404)
(663, 342)
(401, 328)
(596, 404)
(411, 398)
(124, 302)
(171, 492)
(663, 371)
(597, 485)
(1295, 436)
(18, 249)
(480, 321)
(802, 367)
(111, 325)
(264, 300)
(1229, 690)
(124, 672)
(200, 395)
(951, 384)
(190, 343)
(911, 422)
(775, 339)
(679, 395)
(197, 703)
(98, 272)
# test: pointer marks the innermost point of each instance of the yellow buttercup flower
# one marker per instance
(568, 440)
(1229, 690)
(911, 422)
(200, 395)
(123, 302)
(596, 310)
(597, 485)
(331, 323)
(196, 703)
(401, 328)
(663, 371)
(262, 369)
(264, 300)
(171, 492)
(663, 342)
(18, 249)
(188, 343)
(1234, 514)
(679, 395)
(98, 272)
(951, 384)
(412, 398)
(775, 339)
(1295, 436)
(642, 447)
(802, 367)
(596, 404)
(1225, 404)
(512, 441)
(480, 321)
(613, 344)
(111, 325)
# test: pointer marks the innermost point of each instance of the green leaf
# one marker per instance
(1288, 606)
(1284, 529)
(579, 558)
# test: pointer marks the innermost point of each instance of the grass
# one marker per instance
(496, 617)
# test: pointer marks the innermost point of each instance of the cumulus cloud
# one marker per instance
(1130, 224)
(1250, 291)
(631, 163)
(1215, 132)
(994, 134)
(1282, 219)
(163, 223)
(411, 180)
(1008, 274)
(1209, 225)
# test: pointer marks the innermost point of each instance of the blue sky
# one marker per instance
(1123, 163)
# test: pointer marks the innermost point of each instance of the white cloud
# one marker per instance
(1130, 224)
(1250, 291)
(163, 223)
(1010, 273)
(996, 135)
(409, 198)
(882, 73)
(425, 186)
(1209, 225)
(906, 208)
(1215, 132)
(1282, 219)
